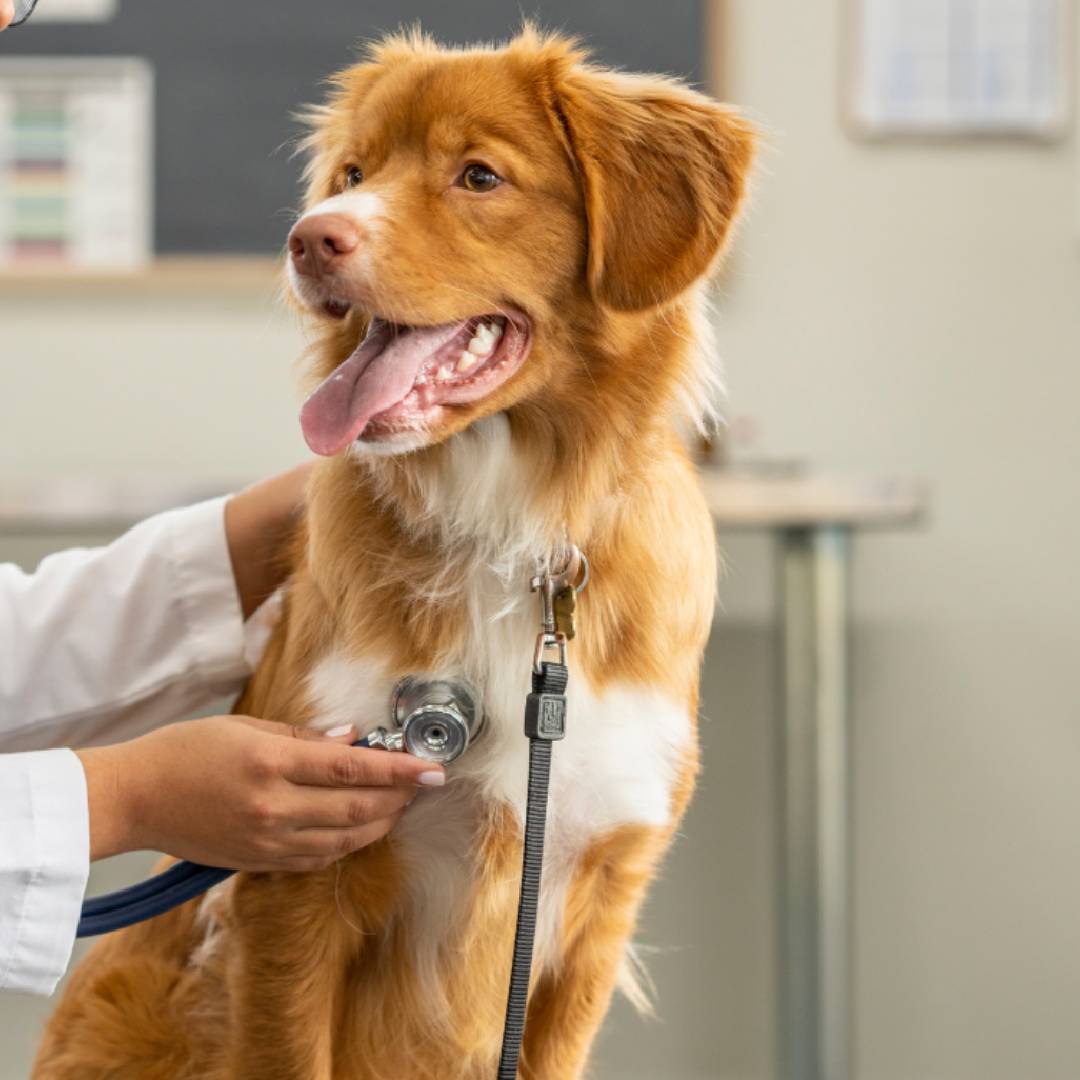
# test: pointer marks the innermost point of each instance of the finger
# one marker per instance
(338, 808)
(7, 13)
(337, 843)
(345, 734)
(328, 765)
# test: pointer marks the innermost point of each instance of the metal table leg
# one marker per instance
(814, 805)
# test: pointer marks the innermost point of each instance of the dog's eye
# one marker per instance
(479, 178)
(353, 175)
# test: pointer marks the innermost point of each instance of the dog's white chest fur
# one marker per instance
(624, 749)
(617, 765)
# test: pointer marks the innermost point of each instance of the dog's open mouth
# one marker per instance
(399, 377)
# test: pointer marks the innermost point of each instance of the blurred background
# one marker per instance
(901, 316)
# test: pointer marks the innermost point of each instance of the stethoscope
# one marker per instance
(432, 719)
(23, 10)
(435, 719)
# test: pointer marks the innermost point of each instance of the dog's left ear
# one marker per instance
(663, 170)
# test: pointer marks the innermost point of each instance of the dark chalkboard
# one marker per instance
(229, 74)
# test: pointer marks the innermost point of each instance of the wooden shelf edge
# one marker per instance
(166, 271)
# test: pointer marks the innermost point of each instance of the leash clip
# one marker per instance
(558, 590)
(545, 641)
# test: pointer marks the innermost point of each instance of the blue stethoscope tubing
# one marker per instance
(155, 896)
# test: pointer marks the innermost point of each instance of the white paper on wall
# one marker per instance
(962, 66)
(74, 11)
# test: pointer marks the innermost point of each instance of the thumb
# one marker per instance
(7, 13)
(346, 734)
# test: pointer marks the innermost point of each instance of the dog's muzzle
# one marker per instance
(434, 719)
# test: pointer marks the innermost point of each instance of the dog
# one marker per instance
(505, 251)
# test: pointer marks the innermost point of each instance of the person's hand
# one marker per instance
(258, 522)
(247, 794)
(7, 13)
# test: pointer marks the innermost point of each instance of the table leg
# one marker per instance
(815, 954)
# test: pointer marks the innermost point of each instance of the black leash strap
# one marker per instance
(545, 722)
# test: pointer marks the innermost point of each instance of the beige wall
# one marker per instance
(916, 308)
(892, 308)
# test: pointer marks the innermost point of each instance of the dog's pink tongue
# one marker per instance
(377, 375)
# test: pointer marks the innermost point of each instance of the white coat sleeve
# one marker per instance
(95, 646)
(99, 645)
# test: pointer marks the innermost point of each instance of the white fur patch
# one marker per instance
(617, 765)
(208, 924)
(403, 442)
(346, 692)
(476, 502)
(365, 207)
(702, 388)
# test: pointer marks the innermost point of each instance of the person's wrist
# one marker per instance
(114, 819)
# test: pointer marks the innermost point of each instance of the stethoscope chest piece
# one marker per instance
(436, 719)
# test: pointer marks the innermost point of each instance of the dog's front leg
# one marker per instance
(568, 1005)
(289, 952)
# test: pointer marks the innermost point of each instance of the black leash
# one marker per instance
(545, 721)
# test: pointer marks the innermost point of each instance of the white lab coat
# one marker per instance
(97, 646)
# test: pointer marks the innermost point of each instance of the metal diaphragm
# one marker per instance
(438, 718)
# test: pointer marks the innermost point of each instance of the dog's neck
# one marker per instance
(476, 492)
(516, 485)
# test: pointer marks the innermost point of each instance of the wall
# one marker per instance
(916, 309)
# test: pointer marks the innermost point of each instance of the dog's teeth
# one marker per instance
(445, 372)
(465, 361)
(421, 380)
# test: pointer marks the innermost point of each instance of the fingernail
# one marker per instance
(341, 729)
(433, 779)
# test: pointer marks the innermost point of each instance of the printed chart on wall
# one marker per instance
(961, 67)
(75, 163)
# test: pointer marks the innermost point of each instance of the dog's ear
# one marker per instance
(663, 170)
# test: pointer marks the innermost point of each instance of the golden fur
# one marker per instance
(624, 191)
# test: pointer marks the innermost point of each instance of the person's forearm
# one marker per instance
(246, 793)
(258, 523)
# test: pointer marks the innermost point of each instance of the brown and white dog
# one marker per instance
(506, 249)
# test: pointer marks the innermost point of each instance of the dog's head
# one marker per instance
(484, 226)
